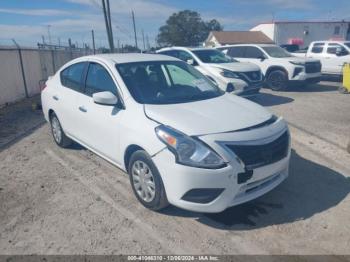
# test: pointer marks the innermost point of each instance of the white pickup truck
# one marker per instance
(332, 54)
(279, 67)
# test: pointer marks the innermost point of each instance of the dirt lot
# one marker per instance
(55, 201)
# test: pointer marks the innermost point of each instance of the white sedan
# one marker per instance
(180, 138)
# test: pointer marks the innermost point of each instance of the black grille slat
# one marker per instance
(313, 67)
(254, 156)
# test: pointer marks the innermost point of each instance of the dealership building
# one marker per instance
(303, 33)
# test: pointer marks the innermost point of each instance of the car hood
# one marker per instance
(236, 67)
(302, 59)
(221, 114)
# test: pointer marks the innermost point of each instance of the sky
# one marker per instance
(27, 21)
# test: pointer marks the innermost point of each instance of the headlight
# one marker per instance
(189, 151)
(297, 63)
(229, 74)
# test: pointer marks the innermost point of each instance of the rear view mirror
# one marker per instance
(105, 98)
(190, 61)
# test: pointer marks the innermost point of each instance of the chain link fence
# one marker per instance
(23, 69)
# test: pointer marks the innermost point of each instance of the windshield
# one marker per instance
(166, 82)
(276, 51)
(213, 56)
(347, 44)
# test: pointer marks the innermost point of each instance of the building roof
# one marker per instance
(240, 37)
(302, 22)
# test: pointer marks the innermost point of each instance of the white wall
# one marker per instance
(267, 29)
(281, 33)
(316, 31)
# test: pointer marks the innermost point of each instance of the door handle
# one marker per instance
(55, 98)
(82, 109)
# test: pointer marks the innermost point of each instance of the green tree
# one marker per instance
(186, 28)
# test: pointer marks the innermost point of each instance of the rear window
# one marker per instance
(236, 51)
(71, 77)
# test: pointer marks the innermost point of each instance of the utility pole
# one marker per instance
(93, 40)
(49, 34)
(133, 21)
(118, 46)
(110, 25)
(143, 40)
(107, 15)
(148, 46)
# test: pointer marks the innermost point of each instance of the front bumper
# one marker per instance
(306, 76)
(248, 89)
(179, 179)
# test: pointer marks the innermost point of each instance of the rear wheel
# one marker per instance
(146, 181)
(57, 132)
(277, 80)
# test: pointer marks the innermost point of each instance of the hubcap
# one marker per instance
(56, 130)
(276, 80)
(143, 181)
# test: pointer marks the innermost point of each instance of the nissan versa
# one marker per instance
(181, 139)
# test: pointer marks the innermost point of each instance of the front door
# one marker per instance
(100, 123)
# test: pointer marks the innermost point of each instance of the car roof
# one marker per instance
(128, 58)
(184, 48)
(331, 41)
(261, 45)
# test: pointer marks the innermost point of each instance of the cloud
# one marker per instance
(35, 12)
(142, 8)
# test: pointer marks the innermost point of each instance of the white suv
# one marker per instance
(244, 79)
(181, 139)
(278, 66)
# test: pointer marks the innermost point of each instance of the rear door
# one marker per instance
(333, 62)
(65, 98)
(100, 124)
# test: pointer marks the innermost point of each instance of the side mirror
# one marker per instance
(262, 58)
(230, 88)
(105, 98)
(190, 61)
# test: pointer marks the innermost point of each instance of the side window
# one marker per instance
(99, 80)
(71, 77)
(332, 49)
(317, 48)
(253, 52)
(236, 51)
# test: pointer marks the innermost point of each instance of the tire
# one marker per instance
(152, 199)
(277, 80)
(57, 132)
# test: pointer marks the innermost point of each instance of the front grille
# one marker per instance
(254, 156)
(313, 67)
(253, 76)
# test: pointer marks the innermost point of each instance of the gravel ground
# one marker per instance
(59, 201)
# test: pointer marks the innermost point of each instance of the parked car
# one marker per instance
(332, 54)
(244, 79)
(279, 67)
(181, 139)
(290, 47)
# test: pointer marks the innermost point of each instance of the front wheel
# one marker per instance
(277, 80)
(146, 181)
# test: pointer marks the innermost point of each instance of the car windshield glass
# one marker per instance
(276, 51)
(213, 56)
(166, 82)
(347, 44)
